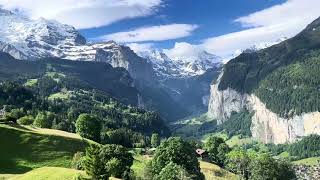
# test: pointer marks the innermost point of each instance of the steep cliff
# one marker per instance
(267, 126)
(271, 128)
(223, 103)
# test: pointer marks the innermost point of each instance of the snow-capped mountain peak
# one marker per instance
(183, 66)
(24, 38)
(4, 12)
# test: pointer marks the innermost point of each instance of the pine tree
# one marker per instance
(93, 165)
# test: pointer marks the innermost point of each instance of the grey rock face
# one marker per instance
(267, 126)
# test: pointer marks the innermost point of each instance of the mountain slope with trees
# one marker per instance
(283, 76)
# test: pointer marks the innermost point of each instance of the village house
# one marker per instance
(201, 153)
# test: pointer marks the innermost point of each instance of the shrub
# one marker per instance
(78, 161)
(26, 120)
(173, 171)
(44, 120)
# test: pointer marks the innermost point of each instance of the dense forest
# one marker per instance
(293, 89)
(306, 147)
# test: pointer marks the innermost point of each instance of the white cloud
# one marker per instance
(152, 33)
(140, 47)
(183, 50)
(266, 26)
(227, 45)
(84, 13)
(302, 11)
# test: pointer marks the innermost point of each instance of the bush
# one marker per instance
(26, 120)
(78, 161)
(44, 120)
(173, 171)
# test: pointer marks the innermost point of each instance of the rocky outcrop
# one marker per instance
(267, 126)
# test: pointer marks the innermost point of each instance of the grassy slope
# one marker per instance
(212, 171)
(28, 148)
(194, 127)
(139, 165)
(308, 161)
(52, 173)
(238, 141)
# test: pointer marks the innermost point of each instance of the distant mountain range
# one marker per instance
(153, 72)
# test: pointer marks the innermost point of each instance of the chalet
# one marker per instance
(201, 153)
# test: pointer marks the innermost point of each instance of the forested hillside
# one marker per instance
(53, 94)
(284, 76)
(95, 75)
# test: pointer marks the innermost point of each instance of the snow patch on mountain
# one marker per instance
(180, 66)
(24, 38)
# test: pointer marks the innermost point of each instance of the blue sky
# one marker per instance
(214, 18)
(179, 27)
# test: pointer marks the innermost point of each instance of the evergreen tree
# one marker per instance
(155, 140)
(93, 164)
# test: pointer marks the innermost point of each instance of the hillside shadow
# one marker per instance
(18, 126)
(11, 167)
(21, 152)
